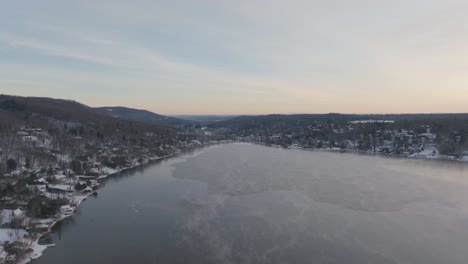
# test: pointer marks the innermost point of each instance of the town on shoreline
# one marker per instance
(24, 236)
(54, 153)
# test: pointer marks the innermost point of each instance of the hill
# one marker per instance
(31, 111)
(144, 116)
(47, 132)
(301, 120)
(205, 119)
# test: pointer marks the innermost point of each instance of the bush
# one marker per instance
(119, 161)
(80, 187)
(75, 166)
(31, 179)
(12, 164)
(45, 207)
(450, 148)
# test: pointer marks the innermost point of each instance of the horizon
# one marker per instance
(240, 58)
(235, 115)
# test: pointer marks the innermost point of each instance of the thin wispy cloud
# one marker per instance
(312, 56)
(144, 62)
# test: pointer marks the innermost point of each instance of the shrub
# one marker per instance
(80, 187)
(12, 164)
(75, 166)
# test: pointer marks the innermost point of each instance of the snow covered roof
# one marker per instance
(22, 133)
(18, 213)
(42, 180)
(61, 187)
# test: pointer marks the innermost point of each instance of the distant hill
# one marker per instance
(17, 111)
(60, 109)
(206, 118)
(144, 116)
(278, 122)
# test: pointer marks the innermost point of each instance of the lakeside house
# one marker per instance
(66, 210)
(88, 190)
(18, 213)
(61, 188)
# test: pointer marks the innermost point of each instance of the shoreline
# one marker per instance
(38, 249)
(363, 152)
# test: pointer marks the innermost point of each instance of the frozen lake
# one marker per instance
(243, 203)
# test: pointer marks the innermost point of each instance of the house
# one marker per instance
(60, 177)
(22, 133)
(6, 199)
(33, 130)
(41, 188)
(29, 138)
(93, 183)
(18, 213)
(41, 227)
(66, 210)
(88, 190)
(61, 188)
(42, 180)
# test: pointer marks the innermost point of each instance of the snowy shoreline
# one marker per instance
(371, 153)
(38, 249)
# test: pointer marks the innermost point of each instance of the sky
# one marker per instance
(240, 56)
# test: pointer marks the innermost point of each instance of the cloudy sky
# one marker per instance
(240, 56)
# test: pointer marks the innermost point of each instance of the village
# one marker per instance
(49, 173)
(33, 198)
(368, 136)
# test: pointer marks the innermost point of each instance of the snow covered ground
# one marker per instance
(9, 234)
(37, 251)
(429, 152)
(5, 218)
(107, 170)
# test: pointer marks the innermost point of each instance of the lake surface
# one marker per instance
(243, 203)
